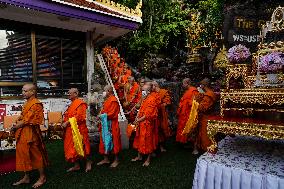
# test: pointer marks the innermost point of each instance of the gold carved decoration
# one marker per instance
(267, 97)
(120, 8)
(266, 131)
(236, 71)
(221, 61)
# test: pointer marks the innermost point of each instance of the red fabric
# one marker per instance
(77, 109)
(111, 108)
(183, 113)
(7, 163)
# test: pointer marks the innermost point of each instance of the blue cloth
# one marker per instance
(106, 133)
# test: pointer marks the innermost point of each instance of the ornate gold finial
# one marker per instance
(221, 61)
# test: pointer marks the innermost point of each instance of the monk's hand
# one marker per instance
(65, 124)
(13, 127)
(136, 122)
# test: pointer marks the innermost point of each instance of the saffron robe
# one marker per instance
(183, 113)
(163, 122)
(78, 110)
(30, 149)
(204, 108)
(144, 140)
(132, 96)
(111, 108)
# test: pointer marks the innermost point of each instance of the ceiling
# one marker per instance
(10, 12)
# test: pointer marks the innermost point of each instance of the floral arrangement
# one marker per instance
(238, 53)
(272, 62)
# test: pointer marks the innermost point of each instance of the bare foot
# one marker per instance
(136, 159)
(88, 166)
(103, 162)
(40, 182)
(24, 180)
(114, 164)
(163, 149)
(195, 152)
(72, 169)
(146, 164)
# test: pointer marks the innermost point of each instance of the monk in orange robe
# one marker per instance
(144, 140)
(30, 149)
(164, 130)
(122, 81)
(131, 96)
(184, 109)
(111, 108)
(78, 110)
(206, 103)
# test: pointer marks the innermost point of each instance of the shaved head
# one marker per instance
(186, 83)
(108, 88)
(205, 82)
(150, 84)
(156, 86)
(28, 91)
(74, 90)
(30, 86)
(146, 88)
(186, 80)
(73, 93)
(130, 79)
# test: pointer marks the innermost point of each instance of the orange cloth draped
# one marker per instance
(132, 93)
(144, 140)
(78, 110)
(156, 121)
(205, 106)
(122, 81)
(30, 149)
(163, 122)
(183, 113)
(111, 108)
(128, 72)
(133, 97)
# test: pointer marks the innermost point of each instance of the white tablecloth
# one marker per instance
(242, 163)
(4, 145)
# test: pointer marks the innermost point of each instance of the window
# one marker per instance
(59, 59)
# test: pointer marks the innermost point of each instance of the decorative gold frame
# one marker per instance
(266, 131)
(268, 97)
(236, 71)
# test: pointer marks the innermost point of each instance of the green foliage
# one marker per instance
(165, 25)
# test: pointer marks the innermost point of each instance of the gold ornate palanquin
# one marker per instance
(238, 71)
(268, 97)
(245, 128)
(256, 96)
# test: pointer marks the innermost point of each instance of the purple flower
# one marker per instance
(272, 62)
(238, 53)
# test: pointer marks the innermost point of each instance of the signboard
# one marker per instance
(243, 22)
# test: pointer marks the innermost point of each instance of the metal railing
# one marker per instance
(109, 81)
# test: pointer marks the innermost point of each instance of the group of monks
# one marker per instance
(146, 105)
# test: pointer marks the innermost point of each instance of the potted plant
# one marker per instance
(238, 54)
(271, 64)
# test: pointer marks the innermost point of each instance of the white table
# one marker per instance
(242, 163)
